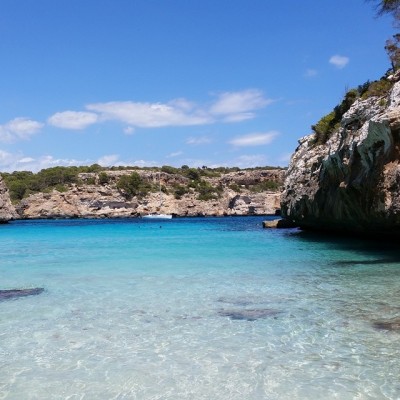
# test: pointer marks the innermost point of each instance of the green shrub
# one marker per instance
(133, 185)
(207, 191)
(378, 88)
(193, 174)
(91, 180)
(169, 170)
(235, 187)
(180, 191)
(103, 178)
(265, 186)
(324, 128)
(61, 188)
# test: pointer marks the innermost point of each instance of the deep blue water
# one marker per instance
(196, 308)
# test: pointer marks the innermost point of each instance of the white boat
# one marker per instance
(158, 215)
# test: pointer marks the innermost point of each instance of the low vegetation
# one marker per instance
(330, 123)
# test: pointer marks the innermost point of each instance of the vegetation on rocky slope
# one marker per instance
(133, 181)
(330, 123)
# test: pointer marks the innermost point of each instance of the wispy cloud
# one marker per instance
(254, 139)
(129, 130)
(226, 107)
(108, 160)
(195, 141)
(19, 162)
(19, 128)
(310, 73)
(250, 161)
(339, 61)
(174, 154)
(75, 120)
(238, 106)
(150, 115)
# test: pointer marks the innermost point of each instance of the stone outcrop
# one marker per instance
(7, 211)
(352, 182)
(106, 201)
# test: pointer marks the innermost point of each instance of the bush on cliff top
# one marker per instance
(329, 123)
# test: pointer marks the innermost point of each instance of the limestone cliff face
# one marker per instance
(7, 211)
(352, 182)
(106, 201)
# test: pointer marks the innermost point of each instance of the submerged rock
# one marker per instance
(249, 315)
(15, 293)
(391, 325)
(351, 182)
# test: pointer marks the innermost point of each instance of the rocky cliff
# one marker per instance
(7, 211)
(88, 200)
(351, 182)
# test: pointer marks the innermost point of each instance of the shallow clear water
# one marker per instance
(201, 308)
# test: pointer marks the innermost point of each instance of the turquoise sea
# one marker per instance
(199, 308)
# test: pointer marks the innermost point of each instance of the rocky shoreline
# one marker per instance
(236, 197)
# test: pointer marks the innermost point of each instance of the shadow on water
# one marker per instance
(367, 280)
(376, 250)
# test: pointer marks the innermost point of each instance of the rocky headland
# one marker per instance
(347, 178)
(101, 195)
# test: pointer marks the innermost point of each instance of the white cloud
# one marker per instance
(18, 162)
(310, 73)
(129, 130)
(238, 106)
(142, 163)
(195, 141)
(108, 160)
(19, 128)
(175, 154)
(75, 120)
(250, 161)
(339, 61)
(254, 139)
(150, 115)
(239, 117)
(285, 158)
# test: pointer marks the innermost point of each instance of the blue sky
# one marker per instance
(173, 82)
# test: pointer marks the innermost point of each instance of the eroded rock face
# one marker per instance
(351, 183)
(7, 211)
(105, 201)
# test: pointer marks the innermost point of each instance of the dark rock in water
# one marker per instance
(15, 293)
(391, 325)
(279, 224)
(249, 315)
